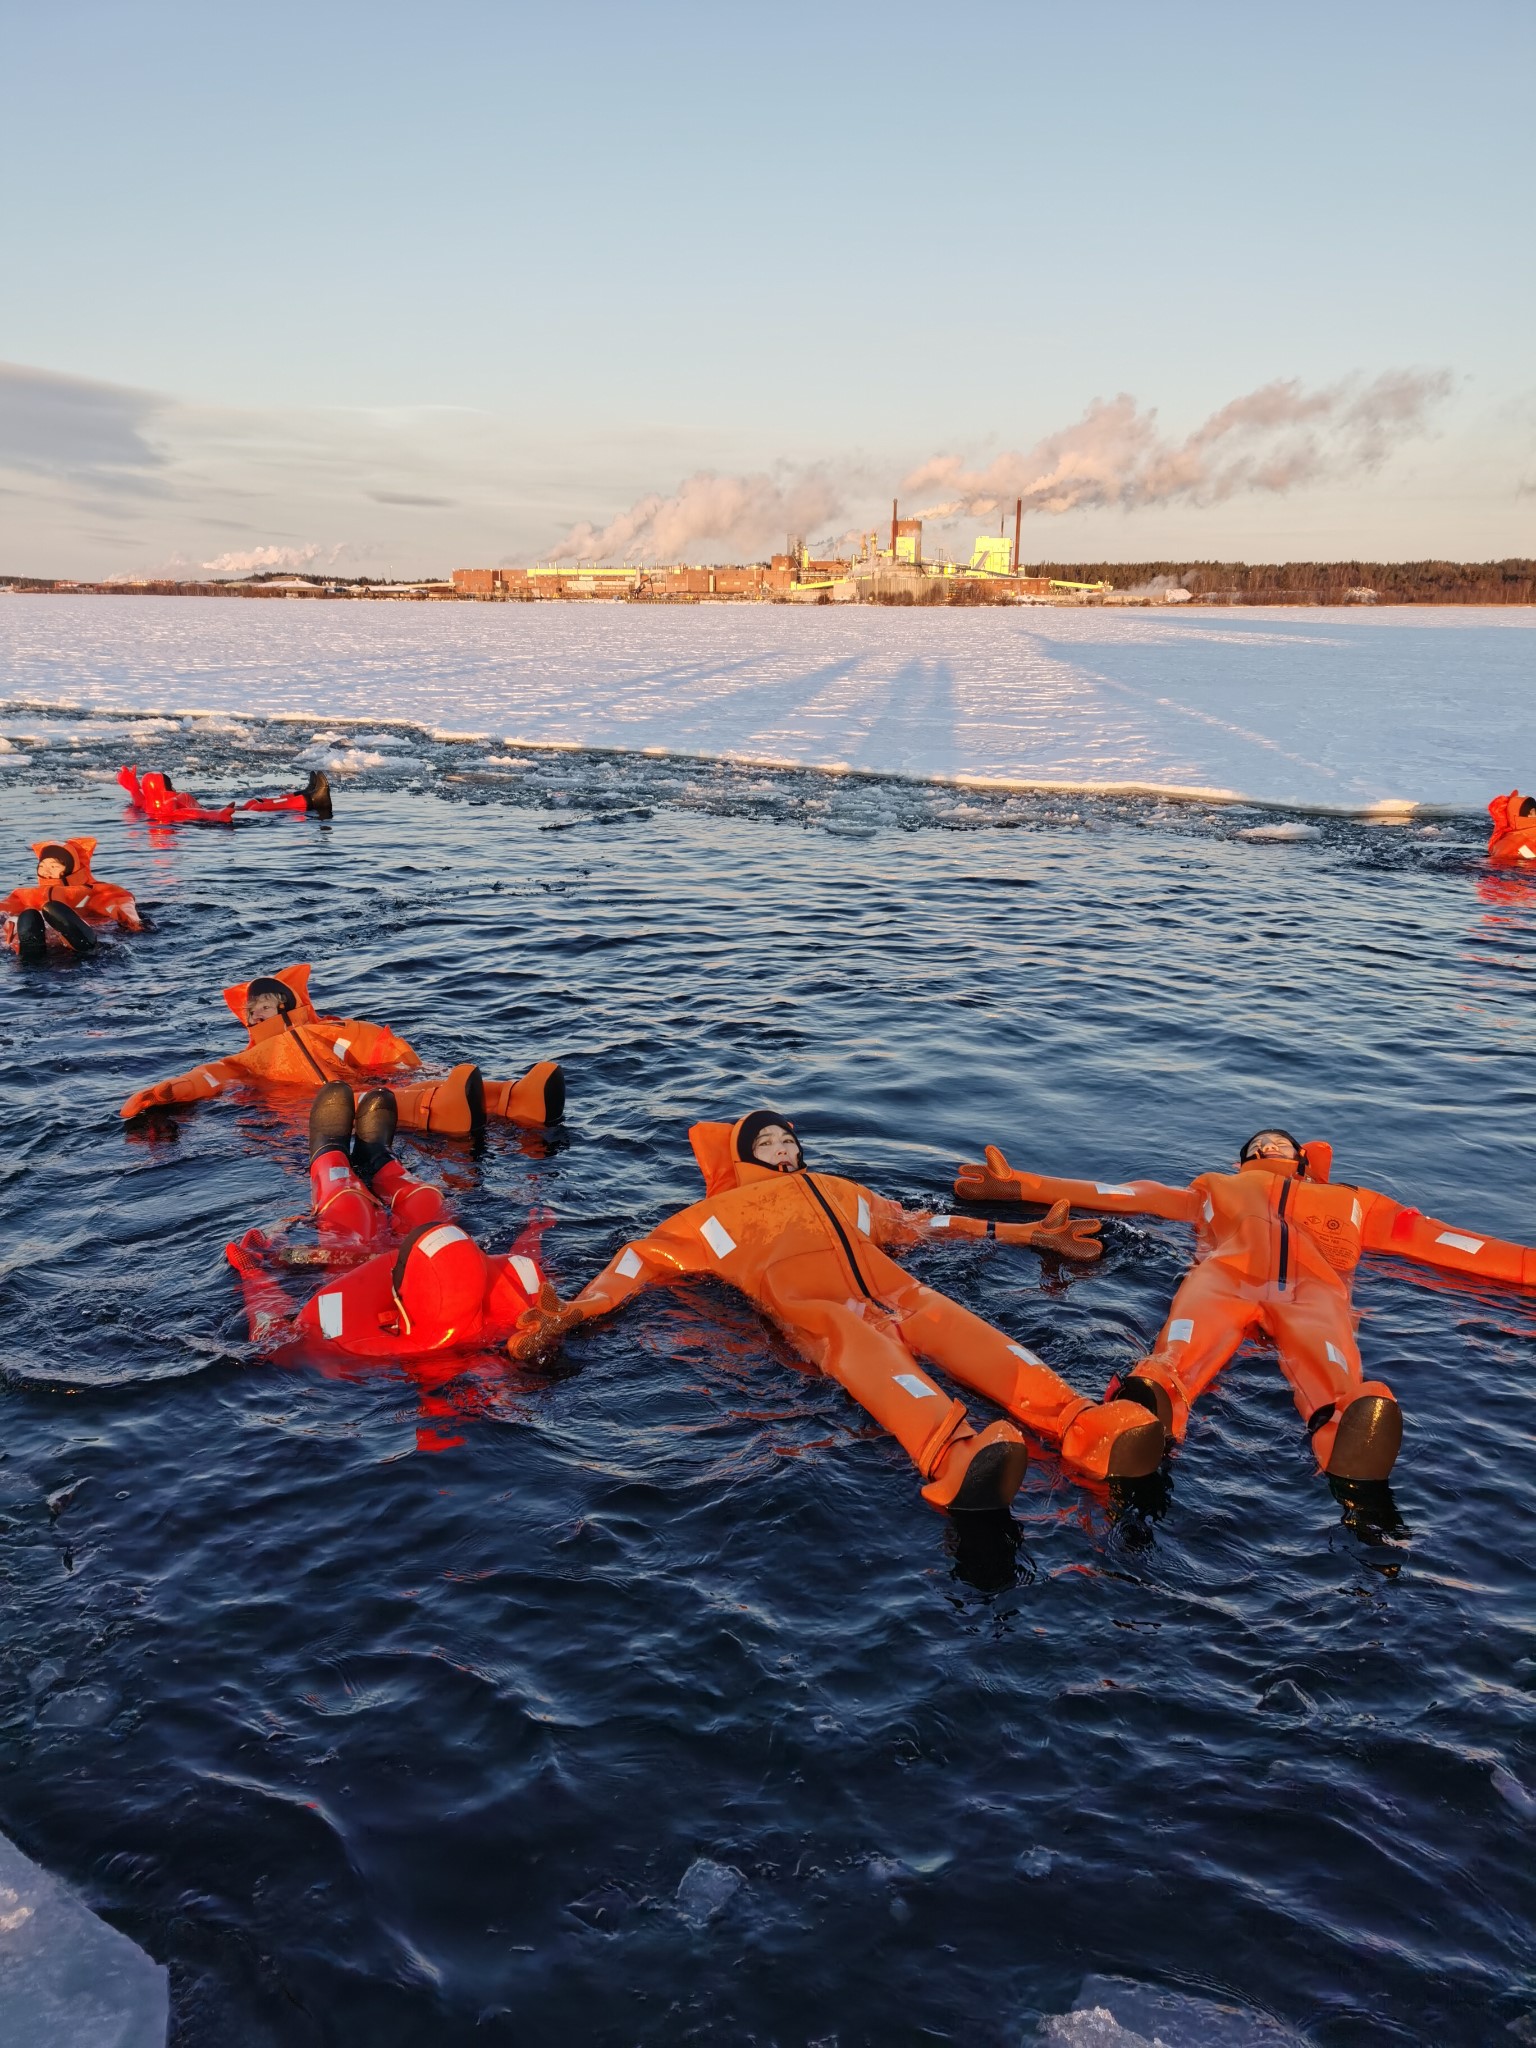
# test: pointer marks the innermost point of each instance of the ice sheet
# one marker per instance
(1328, 710)
(1116, 2012)
(67, 1979)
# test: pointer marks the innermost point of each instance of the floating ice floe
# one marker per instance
(706, 1890)
(1280, 832)
(1117, 2012)
(67, 1979)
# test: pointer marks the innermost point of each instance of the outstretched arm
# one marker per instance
(373, 1046)
(893, 1227)
(268, 1310)
(677, 1249)
(198, 1086)
(997, 1181)
(1386, 1226)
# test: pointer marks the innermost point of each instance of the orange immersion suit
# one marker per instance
(302, 1049)
(154, 794)
(806, 1248)
(1512, 839)
(79, 889)
(1276, 1243)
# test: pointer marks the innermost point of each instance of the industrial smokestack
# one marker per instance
(1018, 523)
(894, 503)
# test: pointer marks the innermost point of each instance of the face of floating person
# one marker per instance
(261, 1007)
(775, 1147)
(50, 871)
(1270, 1145)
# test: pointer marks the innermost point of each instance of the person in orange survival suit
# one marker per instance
(157, 796)
(362, 1194)
(65, 895)
(1276, 1243)
(806, 1248)
(293, 1046)
(1512, 837)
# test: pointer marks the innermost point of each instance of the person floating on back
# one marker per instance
(57, 911)
(1276, 1244)
(807, 1248)
(158, 798)
(1512, 838)
(292, 1046)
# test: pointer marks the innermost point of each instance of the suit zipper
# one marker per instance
(303, 1048)
(842, 1238)
(1285, 1233)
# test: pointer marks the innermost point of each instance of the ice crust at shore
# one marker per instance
(1312, 709)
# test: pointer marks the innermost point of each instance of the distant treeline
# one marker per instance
(1512, 582)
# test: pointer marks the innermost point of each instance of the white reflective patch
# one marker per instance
(938, 1223)
(1105, 1187)
(1461, 1244)
(1527, 854)
(1336, 1355)
(918, 1389)
(438, 1240)
(342, 1047)
(338, 1173)
(330, 1315)
(1181, 1329)
(211, 1080)
(863, 1215)
(717, 1237)
(630, 1264)
(1023, 1351)
(1210, 1213)
(526, 1271)
(1356, 1213)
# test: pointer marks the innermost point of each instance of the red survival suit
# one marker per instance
(155, 795)
(1276, 1243)
(1512, 839)
(313, 801)
(77, 889)
(806, 1249)
(302, 1049)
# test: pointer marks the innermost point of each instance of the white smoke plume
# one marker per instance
(311, 556)
(1275, 439)
(750, 515)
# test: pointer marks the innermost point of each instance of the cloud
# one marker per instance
(1275, 439)
(72, 427)
(310, 556)
(409, 498)
(749, 514)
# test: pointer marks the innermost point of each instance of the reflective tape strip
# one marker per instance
(630, 1264)
(1336, 1355)
(1460, 1243)
(717, 1237)
(1210, 1213)
(526, 1271)
(1023, 1351)
(1108, 1188)
(338, 1173)
(438, 1240)
(330, 1315)
(863, 1215)
(1181, 1329)
(1526, 853)
(342, 1047)
(1356, 1213)
(211, 1080)
(918, 1389)
(938, 1223)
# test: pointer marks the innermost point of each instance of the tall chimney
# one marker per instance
(893, 529)
(1018, 521)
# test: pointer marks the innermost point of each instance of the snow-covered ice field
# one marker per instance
(1312, 709)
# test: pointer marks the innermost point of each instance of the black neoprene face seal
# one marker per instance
(753, 1127)
(1273, 1131)
(269, 985)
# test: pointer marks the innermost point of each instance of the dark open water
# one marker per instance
(372, 1740)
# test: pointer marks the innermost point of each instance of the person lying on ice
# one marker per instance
(1512, 834)
(65, 896)
(1275, 1245)
(806, 1248)
(292, 1046)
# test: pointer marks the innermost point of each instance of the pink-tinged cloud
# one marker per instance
(1275, 439)
(747, 515)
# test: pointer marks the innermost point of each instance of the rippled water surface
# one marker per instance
(399, 1713)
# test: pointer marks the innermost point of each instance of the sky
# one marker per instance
(377, 288)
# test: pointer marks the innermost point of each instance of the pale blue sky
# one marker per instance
(536, 263)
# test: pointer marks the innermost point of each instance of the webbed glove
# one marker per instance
(994, 1182)
(541, 1327)
(1059, 1232)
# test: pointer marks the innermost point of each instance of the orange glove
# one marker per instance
(1059, 1232)
(541, 1328)
(994, 1182)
